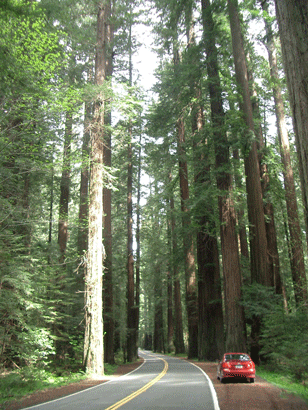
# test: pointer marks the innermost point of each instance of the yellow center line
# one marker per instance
(143, 389)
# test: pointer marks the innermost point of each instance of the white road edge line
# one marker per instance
(81, 391)
(212, 388)
(213, 391)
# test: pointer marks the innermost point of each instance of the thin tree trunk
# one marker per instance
(64, 187)
(240, 212)
(158, 340)
(84, 187)
(61, 345)
(274, 278)
(170, 322)
(190, 274)
(51, 201)
(178, 316)
(292, 16)
(131, 354)
(82, 239)
(234, 320)
(131, 309)
(296, 248)
(258, 241)
(138, 244)
(107, 232)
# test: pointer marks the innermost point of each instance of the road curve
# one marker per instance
(160, 382)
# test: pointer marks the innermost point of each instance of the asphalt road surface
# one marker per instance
(161, 382)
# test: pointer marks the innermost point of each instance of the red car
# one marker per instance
(236, 365)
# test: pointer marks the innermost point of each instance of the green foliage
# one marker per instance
(259, 300)
(284, 335)
(28, 380)
(36, 346)
(285, 341)
(283, 380)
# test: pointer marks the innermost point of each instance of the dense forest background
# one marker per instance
(173, 218)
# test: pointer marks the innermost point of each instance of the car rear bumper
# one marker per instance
(238, 373)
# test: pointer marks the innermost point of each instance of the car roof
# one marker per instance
(236, 353)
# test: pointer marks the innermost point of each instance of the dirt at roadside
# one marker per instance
(231, 395)
(55, 393)
(240, 395)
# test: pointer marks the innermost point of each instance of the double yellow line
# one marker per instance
(143, 389)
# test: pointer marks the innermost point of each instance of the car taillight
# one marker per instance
(225, 365)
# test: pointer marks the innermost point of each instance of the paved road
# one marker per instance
(160, 382)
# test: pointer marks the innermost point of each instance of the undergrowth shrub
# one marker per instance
(285, 341)
(284, 335)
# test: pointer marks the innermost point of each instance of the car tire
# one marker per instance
(222, 380)
(252, 380)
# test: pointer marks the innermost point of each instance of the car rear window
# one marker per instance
(242, 357)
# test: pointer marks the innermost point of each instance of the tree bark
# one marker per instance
(108, 317)
(131, 350)
(273, 256)
(190, 273)
(234, 313)
(296, 248)
(211, 334)
(84, 187)
(64, 187)
(158, 339)
(292, 16)
(131, 308)
(258, 241)
(138, 249)
(170, 322)
(178, 316)
(240, 213)
(94, 346)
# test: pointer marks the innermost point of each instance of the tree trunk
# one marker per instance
(234, 320)
(158, 340)
(258, 241)
(131, 308)
(170, 322)
(240, 212)
(84, 188)
(94, 346)
(178, 317)
(59, 329)
(138, 256)
(296, 248)
(64, 187)
(51, 198)
(211, 334)
(274, 278)
(292, 16)
(131, 351)
(190, 273)
(107, 232)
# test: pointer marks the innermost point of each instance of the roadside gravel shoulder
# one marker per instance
(261, 395)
